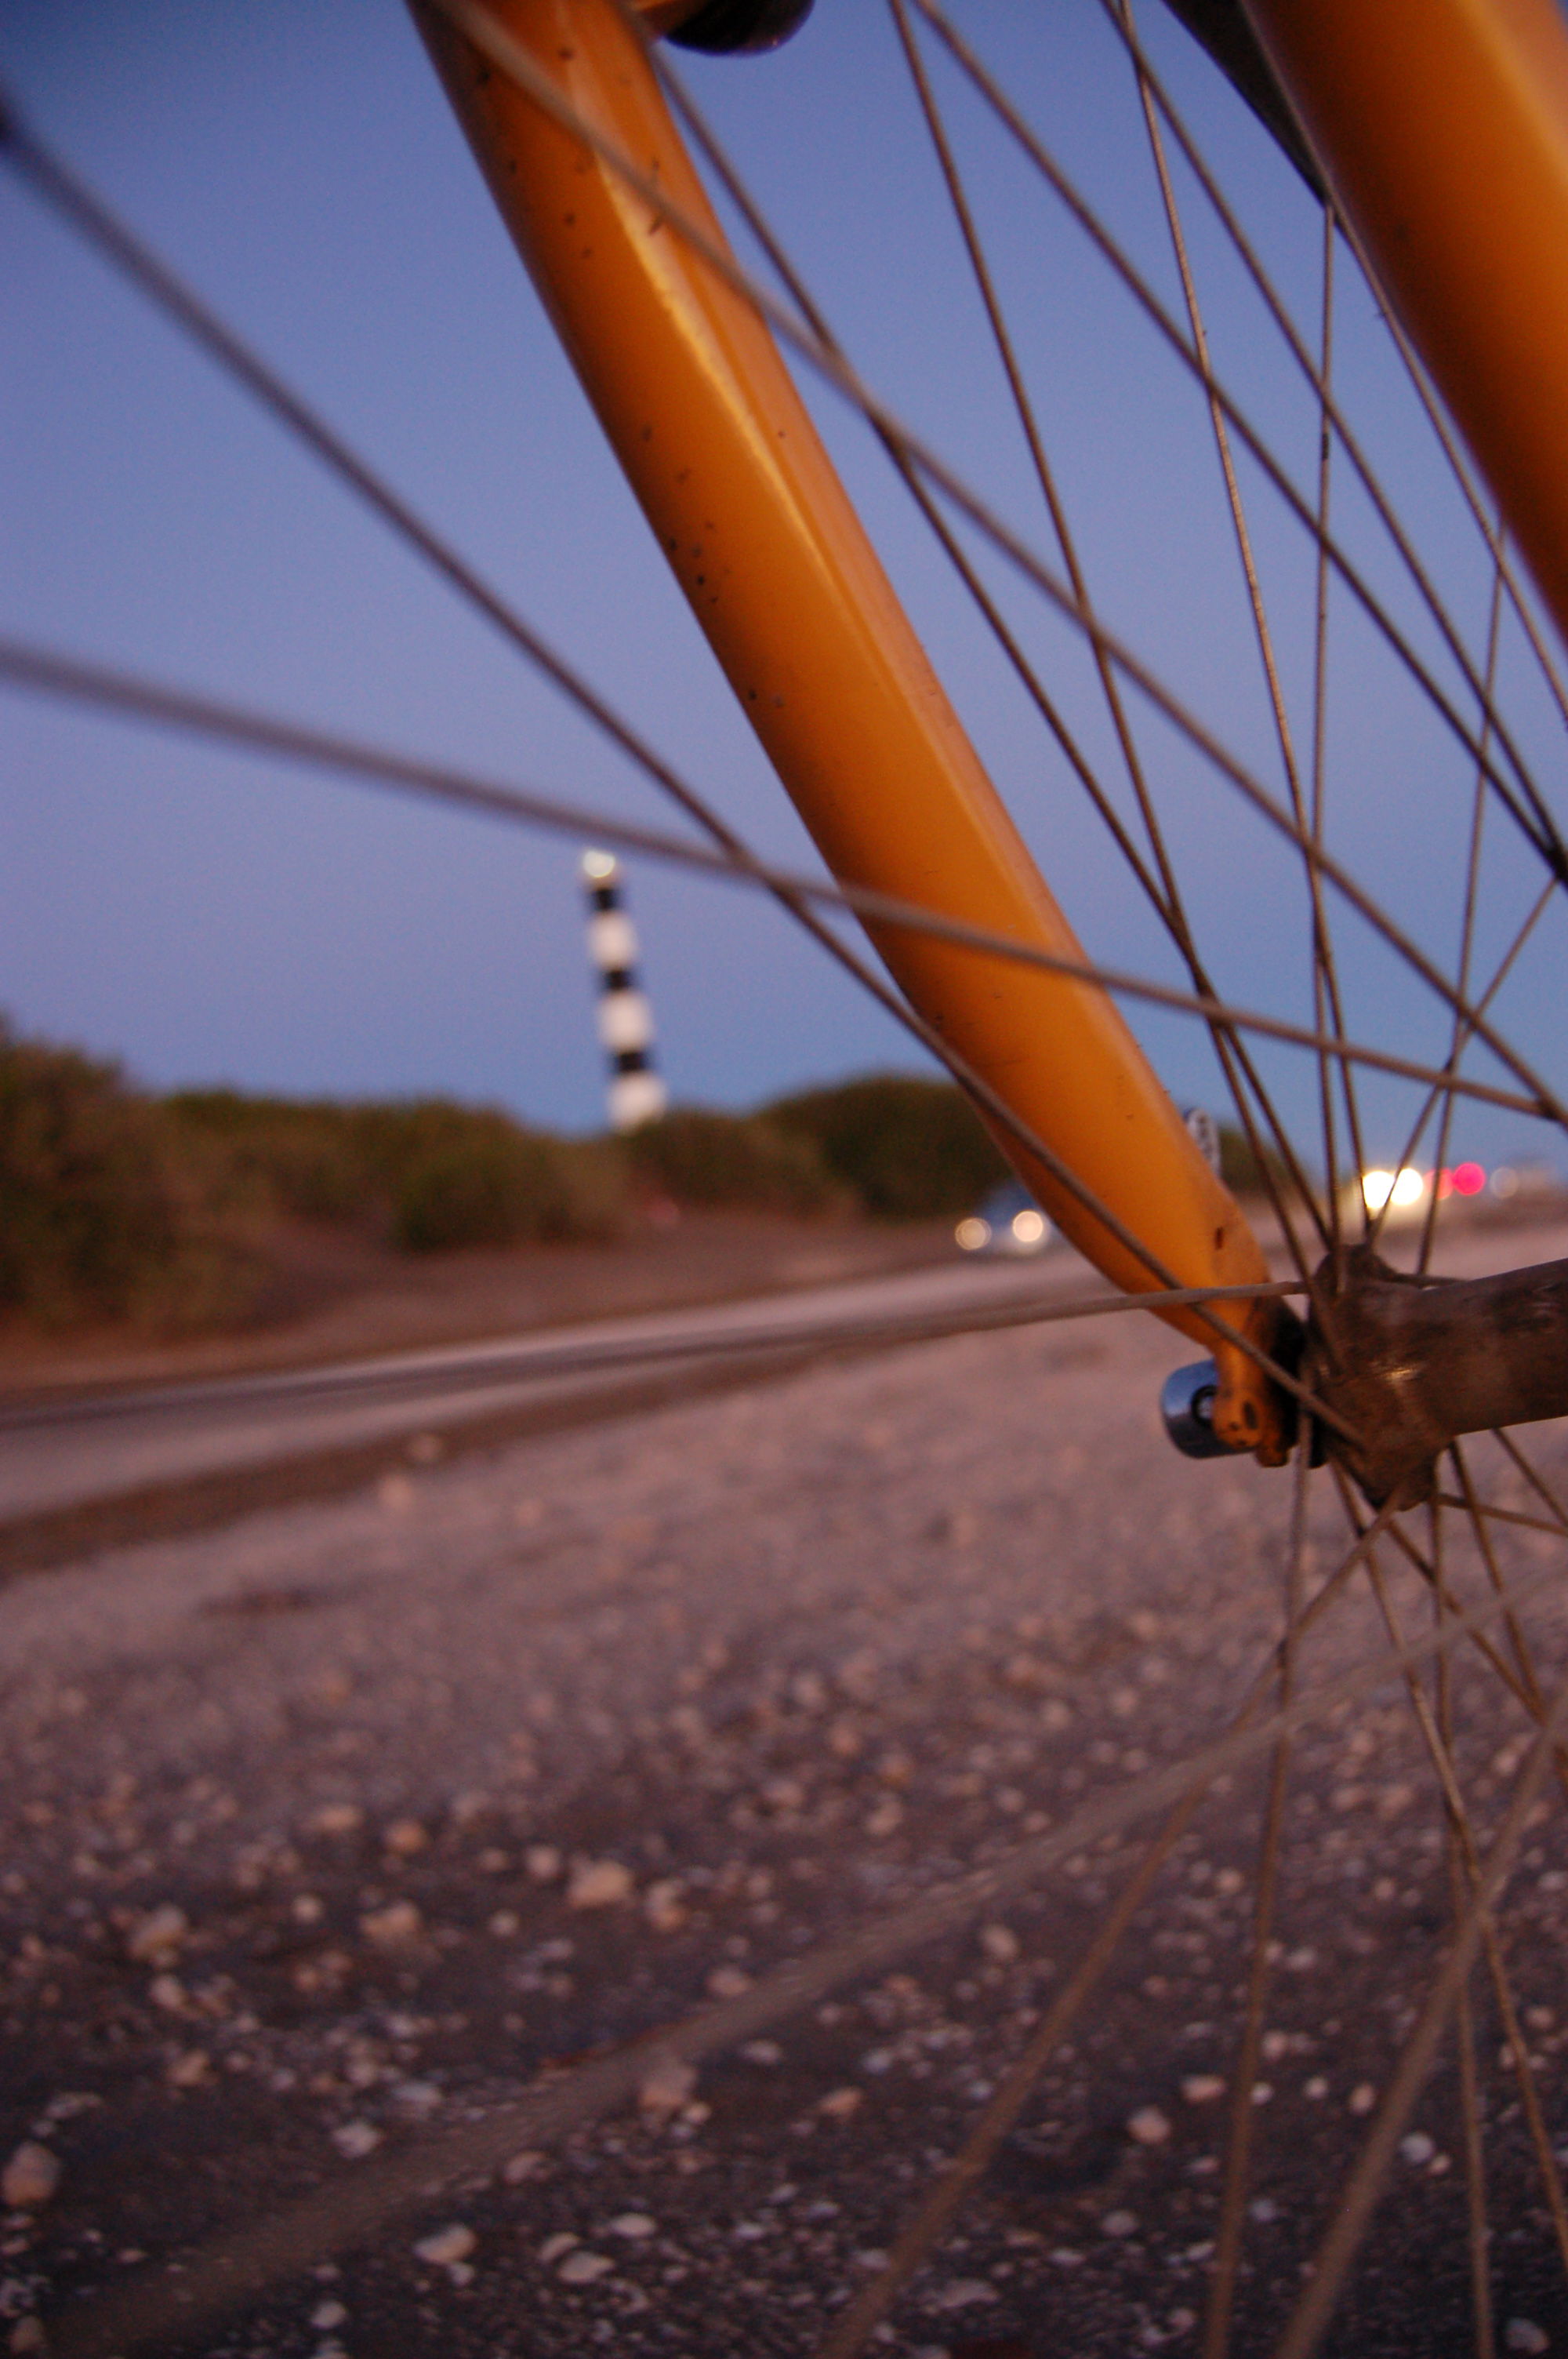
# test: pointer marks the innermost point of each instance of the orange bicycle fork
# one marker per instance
(690, 387)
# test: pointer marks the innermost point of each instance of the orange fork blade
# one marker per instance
(1442, 127)
(691, 390)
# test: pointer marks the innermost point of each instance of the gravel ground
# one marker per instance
(329, 1834)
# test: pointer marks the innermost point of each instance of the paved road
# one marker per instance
(63, 1452)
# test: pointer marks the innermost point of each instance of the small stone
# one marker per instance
(504, 1923)
(841, 2105)
(520, 2167)
(1317, 2088)
(1418, 2147)
(563, 2241)
(1523, 2334)
(190, 2069)
(420, 2098)
(327, 2314)
(1202, 2088)
(886, 1818)
(1149, 2127)
(762, 2051)
(31, 2178)
(1119, 2224)
(27, 2339)
(666, 2085)
(395, 1493)
(1001, 1944)
(635, 2226)
(662, 1907)
(394, 1927)
(308, 1908)
(167, 1991)
(159, 1935)
(337, 1818)
(963, 2293)
(354, 2140)
(727, 1982)
(404, 1837)
(585, 2268)
(1362, 2098)
(543, 1861)
(599, 1884)
(447, 2246)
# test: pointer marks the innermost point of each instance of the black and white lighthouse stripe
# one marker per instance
(636, 1093)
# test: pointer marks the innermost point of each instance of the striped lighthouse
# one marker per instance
(636, 1093)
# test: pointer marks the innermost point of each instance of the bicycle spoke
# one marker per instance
(1478, 2230)
(1236, 1066)
(924, 2230)
(1467, 918)
(1244, 2071)
(1124, 26)
(1468, 1856)
(1450, 1084)
(1539, 826)
(1352, 2216)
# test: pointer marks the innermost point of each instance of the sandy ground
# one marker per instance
(332, 1836)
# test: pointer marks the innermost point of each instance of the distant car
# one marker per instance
(1008, 1221)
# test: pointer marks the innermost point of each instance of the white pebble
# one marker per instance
(354, 2140)
(158, 1935)
(1149, 2126)
(394, 1927)
(337, 1818)
(327, 2314)
(1120, 2223)
(1362, 2098)
(840, 2104)
(1001, 1944)
(1202, 2088)
(962, 2294)
(634, 2226)
(666, 2085)
(585, 2268)
(420, 2098)
(563, 2241)
(727, 1982)
(447, 2246)
(543, 1861)
(31, 2177)
(1523, 2334)
(599, 1884)
(1418, 2147)
(663, 1906)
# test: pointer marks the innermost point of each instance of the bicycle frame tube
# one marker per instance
(690, 387)
(1442, 127)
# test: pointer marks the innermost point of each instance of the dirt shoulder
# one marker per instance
(338, 1298)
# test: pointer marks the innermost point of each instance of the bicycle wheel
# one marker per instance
(1265, 606)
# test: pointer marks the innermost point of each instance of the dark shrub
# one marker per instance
(910, 1149)
(100, 1215)
(483, 1182)
(699, 1157)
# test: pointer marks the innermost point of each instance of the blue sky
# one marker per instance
(207, 916)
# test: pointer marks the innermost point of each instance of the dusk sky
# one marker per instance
(211, 918)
